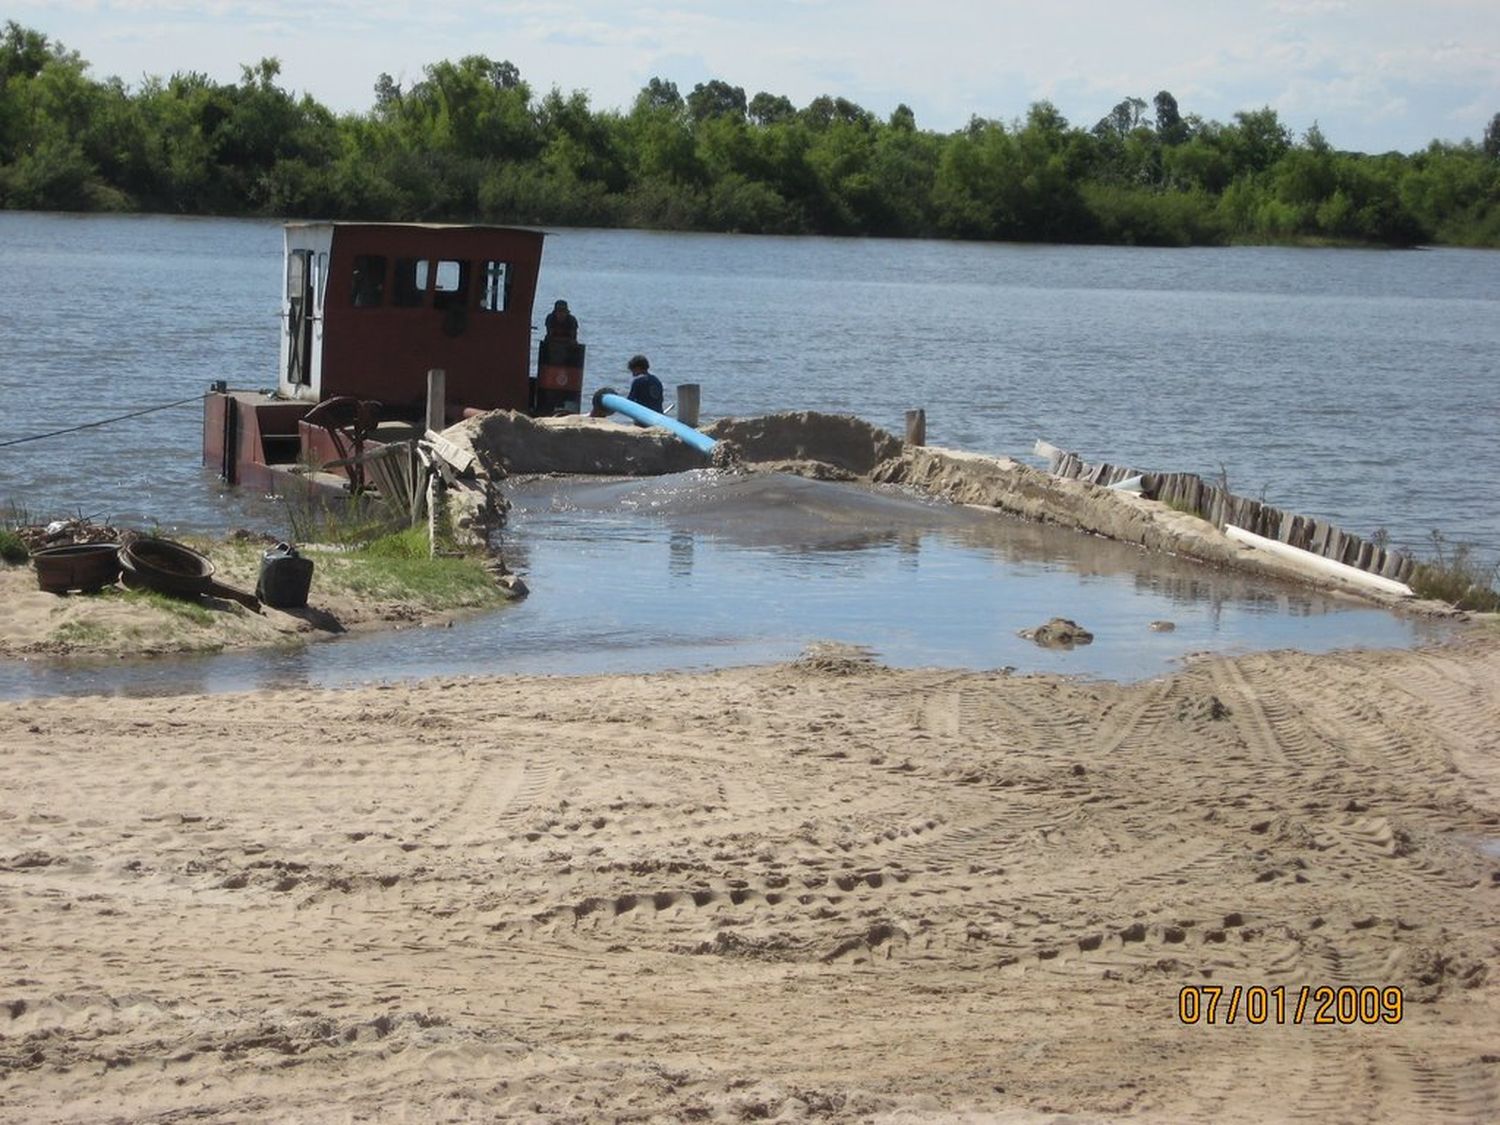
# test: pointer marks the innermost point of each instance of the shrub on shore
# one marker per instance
(1457, 576)
(12, 547)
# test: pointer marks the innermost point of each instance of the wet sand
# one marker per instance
(816, 890)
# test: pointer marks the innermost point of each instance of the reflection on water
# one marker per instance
(702, 569)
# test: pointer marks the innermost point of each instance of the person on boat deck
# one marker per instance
(560, 323)
(645, 388)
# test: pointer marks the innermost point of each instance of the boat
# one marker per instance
(390, 330)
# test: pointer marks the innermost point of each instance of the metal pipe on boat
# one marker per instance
(644, 414)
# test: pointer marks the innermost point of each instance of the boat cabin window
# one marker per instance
(496, 295)
(369, 281)
(412, 275)
(296, 274)
(322, 276)
(450, 286)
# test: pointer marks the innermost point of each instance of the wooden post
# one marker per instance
(437, 399)
(1319, 544)
(688, 399)
(916, 427)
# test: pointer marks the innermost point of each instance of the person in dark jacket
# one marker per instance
(560, 323)
(645, 388)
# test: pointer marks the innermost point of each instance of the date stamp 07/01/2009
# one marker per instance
(1320, 1005)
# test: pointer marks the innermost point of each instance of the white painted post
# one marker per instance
(437, 400)
(688, 398)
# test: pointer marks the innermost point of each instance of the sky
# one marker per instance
(1374, 75)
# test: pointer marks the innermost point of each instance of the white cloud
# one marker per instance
(1375, 73)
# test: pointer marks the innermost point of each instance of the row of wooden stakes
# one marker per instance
(1189, 492)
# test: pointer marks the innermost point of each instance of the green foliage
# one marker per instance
(345, 521)
(12, 547)
(1456, 575)
(81, 633)
(716, 98)
(391, 574)
(408, 544)
(1170, 127)
(1141, 217)
(771, 109)
(472, 141)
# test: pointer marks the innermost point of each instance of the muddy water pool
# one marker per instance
(703, 570)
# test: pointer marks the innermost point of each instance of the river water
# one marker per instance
(1361, 387)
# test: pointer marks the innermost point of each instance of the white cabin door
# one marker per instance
(299, 317)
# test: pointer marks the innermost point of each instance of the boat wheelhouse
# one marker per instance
(368, 310)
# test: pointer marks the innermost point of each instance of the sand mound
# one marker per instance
(834, 446)
(806, 437)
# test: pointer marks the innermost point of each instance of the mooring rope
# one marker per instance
(104, 421)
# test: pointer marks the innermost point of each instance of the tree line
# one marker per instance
(472, 141)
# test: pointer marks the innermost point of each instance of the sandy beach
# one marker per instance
(819, 890)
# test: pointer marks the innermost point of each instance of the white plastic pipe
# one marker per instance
(1318, 563)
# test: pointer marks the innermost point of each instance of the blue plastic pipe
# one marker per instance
(622, 405)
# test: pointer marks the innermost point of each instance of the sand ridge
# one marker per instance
(818, 890)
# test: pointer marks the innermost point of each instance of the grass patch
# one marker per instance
(174, 624)
(89, 633)
(383, 560)
(312, 516)
(1457, 576)
(408, 544)
(394, 567)
(424, 582)
(12, 547)
(189, 611)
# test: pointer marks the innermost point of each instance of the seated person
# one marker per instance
(645, 388)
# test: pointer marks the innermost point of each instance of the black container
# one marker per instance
(285, 578)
